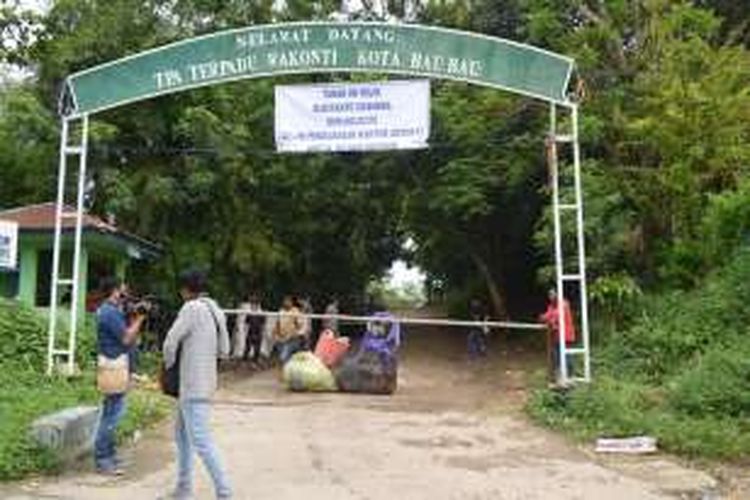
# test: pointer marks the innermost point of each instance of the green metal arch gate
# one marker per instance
(314, 47)
(280, 49)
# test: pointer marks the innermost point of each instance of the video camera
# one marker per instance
(138, 306)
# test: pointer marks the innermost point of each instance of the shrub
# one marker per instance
(607, 407)
(726, 223)
(707, 437)
(679, 326)
(25, 396)
(681, 373)
(149, 363)
(26, 393)
(718, 386)
(23, 336)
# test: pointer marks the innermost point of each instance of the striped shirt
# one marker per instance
(195, 333)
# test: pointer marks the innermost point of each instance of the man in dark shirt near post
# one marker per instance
(114, 338)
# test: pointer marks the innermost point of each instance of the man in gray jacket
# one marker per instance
(199, 337)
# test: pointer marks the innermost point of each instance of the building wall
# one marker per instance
(28, 260)
(34, 256)
(31, 249)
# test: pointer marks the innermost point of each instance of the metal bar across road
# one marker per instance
(345, 318)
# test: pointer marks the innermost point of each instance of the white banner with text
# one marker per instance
(8, 245)
(353, 116)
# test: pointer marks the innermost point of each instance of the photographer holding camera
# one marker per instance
(115, 340)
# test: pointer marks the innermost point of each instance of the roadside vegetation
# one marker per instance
(679, 372)
(667, 128)
(26, 393)
(665, 135)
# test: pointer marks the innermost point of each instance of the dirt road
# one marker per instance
(453, 431)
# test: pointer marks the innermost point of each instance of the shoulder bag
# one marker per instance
(113, 375)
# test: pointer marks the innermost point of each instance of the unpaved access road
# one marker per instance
(454, 430)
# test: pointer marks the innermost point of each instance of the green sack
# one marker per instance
(305, 372)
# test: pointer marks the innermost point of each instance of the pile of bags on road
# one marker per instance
(370, 368)
(306, 372)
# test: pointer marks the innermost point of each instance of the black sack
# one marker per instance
(368, 372)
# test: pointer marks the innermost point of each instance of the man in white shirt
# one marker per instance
(248, 330)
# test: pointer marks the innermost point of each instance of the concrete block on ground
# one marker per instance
(69, 433)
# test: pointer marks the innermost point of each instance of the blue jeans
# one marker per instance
(289, 348)
(477, 343)
(192, 434)
(556, 362)
(112, 411)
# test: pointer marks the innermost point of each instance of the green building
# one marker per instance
(105, 250)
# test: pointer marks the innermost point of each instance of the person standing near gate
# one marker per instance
(255, 327)
(115, 339)
(551, 318)
(477, 338)
(239, 339)
(248, 329)
(198, 337)
(332, 310)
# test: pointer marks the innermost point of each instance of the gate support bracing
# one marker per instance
(71, 281)
(542, 75)
(575, 277)
(570, 271)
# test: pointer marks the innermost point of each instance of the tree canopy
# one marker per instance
(666, 119)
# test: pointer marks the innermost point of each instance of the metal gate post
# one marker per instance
(581, 240)
(559, 263)
(75, 306)
(579, 275)
(59, 204)
(73, 282)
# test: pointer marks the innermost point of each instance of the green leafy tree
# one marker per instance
(27, 151)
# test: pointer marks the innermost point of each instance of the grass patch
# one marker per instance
(27, 394)
(145, 408)
(609, 408)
